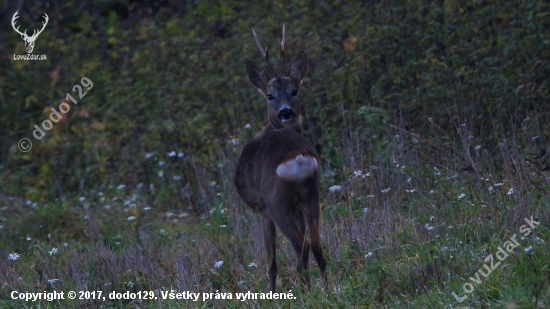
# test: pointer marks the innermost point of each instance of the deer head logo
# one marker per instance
(29, 40)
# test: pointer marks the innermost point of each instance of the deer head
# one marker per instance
(278, 173)
(29, 40)
(279, 89)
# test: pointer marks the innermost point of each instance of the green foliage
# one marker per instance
(431, 117)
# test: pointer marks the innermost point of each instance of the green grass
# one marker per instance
(431, 119)
(396, 249)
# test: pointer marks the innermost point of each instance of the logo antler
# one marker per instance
(29, 40)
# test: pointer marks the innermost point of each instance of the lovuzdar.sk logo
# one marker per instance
(30, 40)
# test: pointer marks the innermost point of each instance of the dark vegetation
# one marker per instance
(432, 117)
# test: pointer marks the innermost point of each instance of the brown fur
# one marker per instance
(289, 205)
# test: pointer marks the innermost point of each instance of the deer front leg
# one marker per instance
(270, 239)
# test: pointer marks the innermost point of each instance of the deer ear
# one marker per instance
(257, 76)
(298, 68)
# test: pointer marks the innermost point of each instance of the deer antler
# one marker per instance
(282, 62)
(43, 26)
(13, 24)
(264, 54)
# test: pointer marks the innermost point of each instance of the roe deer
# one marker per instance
(277, 174)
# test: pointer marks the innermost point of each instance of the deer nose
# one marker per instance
(286, 115)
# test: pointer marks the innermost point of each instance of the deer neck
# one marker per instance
(275, 124)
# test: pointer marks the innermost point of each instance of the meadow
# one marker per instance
(431, 120)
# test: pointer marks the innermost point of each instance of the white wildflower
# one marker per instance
(160, 174)
(528, 249)
(248, 126)
(121, 187)
(161, 163)
(358, 173)
(131, 218)
(218, 264)
(14, 256)
(172, 154)
(368, 255)
(335, 188)
(478, 147)
(148, 155)
(53, 251)
(252, 265)
(429, 227)
(52, 281)
(385, 190)
(499, 184)
(461, 196)
(411, 191)
(511, 191)
(180, 155)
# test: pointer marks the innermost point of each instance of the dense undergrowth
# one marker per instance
(431, 120)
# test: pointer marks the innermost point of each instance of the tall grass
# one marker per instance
(431, 120)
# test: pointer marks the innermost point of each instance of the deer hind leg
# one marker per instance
(270, 239)
(300, 220)
(294, 231)
(316, 245)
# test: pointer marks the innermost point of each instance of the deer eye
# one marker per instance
(294, 93)
(269, 97)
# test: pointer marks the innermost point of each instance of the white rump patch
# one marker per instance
(297, 169)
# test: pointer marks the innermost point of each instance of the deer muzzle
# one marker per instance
(286, 115)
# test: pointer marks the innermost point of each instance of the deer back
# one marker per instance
(272, 161)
